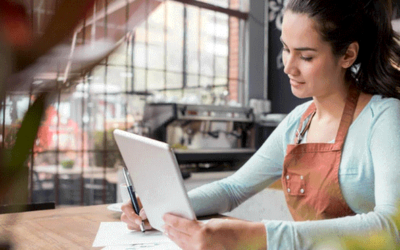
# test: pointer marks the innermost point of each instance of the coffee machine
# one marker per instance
(203, 133)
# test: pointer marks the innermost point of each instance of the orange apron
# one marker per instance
(310, 176)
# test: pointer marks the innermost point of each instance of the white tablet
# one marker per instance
(156, 177)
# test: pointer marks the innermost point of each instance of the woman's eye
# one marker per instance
(285, 49)
(307, 59)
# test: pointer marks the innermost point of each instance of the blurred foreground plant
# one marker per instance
(380, 240)
(19, 51)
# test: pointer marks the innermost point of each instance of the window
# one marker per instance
(182, 48)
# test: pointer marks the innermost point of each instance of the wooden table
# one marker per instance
(62, 228)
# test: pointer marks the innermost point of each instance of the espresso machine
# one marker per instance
(203, 133)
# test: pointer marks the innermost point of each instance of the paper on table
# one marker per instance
(116, 233)
(160, 246)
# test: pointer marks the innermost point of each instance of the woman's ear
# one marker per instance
(351, 55)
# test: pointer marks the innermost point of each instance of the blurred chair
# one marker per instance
(34, 206)
(15, 208)
(43, 189)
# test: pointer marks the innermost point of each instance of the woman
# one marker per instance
(338, 156)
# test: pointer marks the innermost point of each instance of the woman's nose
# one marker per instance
(289, 65)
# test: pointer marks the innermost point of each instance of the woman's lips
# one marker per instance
(295, 83)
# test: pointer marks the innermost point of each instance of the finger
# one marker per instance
(133, 225)
(127, 207)
(142, 214)
(181, 239)
(130, 224)
(183, 225)
(130, 214)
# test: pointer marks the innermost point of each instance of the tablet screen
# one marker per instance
(156, 177)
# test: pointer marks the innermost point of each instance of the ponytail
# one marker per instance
(379, 53)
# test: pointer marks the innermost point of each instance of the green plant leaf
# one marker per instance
(13, 162)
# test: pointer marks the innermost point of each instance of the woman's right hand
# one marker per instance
(133, 220)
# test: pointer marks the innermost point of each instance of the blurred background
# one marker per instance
(204, 76)
(180, 52)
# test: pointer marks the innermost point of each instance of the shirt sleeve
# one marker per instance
(384, 148)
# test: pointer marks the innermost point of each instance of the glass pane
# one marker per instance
(135, 105)
(140, 54)
(97, 75)
(155, 80)
(207, 42)
(69, 133)
(222, 28)
(11, 116)
(192, 62)
(120, 56)
(221, 70)
(206, 81)
(15, 108)
(193, 33)
(118, 79)
(174, 36)
(156, 57)
(106, 150)
(192, 80)
(139, 80)
(218, 81)
(156, 26)
(174, 80)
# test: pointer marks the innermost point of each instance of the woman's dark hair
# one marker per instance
(368, 22)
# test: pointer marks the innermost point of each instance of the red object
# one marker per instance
(15, 26)
(310, 176)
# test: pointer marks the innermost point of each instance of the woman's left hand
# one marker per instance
(215, 234)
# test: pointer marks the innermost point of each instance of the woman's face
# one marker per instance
(309, 62)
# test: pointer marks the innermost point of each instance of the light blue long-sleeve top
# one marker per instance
(369, 178)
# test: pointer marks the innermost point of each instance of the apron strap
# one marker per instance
(347, 116)
(345, 122)
(311, 110)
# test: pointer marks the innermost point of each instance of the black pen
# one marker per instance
(134, 201)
